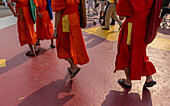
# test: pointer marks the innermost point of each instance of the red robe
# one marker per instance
(25, 24)
(70, 44)
(44, 26)
(133, 54)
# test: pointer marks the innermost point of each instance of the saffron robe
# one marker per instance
(131, 51)
(44, 26)
(70, 42)
(25, 24)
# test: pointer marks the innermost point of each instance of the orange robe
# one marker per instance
(25, 24)
(131, 44)
(44, 26)
(70, 44)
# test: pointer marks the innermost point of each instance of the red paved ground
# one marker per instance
(44, 80)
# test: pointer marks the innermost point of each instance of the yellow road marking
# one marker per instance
(161, 43)
(2, 63)
(112, 35)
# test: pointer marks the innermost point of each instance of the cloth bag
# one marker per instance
(32, 10)
(154, 21)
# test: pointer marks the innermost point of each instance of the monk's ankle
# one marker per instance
(149, 78)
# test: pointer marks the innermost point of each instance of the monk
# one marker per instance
(25, 25)
(131, 50)
(69, 39)
(44, 26)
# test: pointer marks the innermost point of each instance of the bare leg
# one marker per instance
(73, 67)
(52, 42)
(127, 73)
(38, 41)
(149, 78)
(35, 48)
(31, 49)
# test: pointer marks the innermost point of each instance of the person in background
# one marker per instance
(25, 25)
(111, 12)
(5, 3)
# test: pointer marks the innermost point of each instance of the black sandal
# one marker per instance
(122, 82)
(52, 46)
(38, 44)
(69, 71)
(75, 73)
(37, 52)
(29, 54)
(149, 84)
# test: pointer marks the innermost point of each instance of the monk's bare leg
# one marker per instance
(31, 49)
(73, 67)
(149, 78)
(52, 43)
(127, 73)
(38, 42)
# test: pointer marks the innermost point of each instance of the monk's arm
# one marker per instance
(57, 18)
(11, 8)
(57, 21)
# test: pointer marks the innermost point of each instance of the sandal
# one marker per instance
(52, 46)
(38, 44)
(122, 83)
(149, 84)
(37, 52)
(29, 54)
(69, 71)
(75, 73)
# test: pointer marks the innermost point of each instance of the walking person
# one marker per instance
(69, 39)
(5, 3)
(91, 5)
(25, 25)
(44, 26)
(111, 12)
(131, 49)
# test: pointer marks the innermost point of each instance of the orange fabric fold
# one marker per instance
(44, 26)
(71, 44)
(58, 5)
(25, 24)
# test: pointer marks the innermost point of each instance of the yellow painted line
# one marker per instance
(161, 43)
(111, 35)
(2, 63)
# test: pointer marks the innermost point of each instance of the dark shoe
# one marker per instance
(69, 71)
(37, 52)
(52, 46)
(75, 73)
(105, 28)
(38, 44)
(29, 54)
(122, 82)
(112, 23)
(149, 84)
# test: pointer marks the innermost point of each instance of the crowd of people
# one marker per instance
(70, 45)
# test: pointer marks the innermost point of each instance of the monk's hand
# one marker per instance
(121, 17)
(39, 15)
(55, 34)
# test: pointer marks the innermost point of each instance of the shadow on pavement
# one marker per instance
(117, 98)
(18, 60)
(49, 94)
